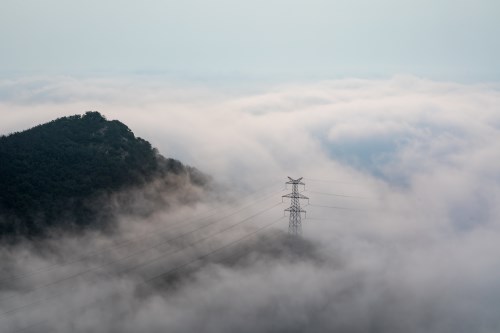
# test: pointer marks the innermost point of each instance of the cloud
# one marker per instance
(414, 251)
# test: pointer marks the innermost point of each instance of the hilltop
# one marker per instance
(59, 175)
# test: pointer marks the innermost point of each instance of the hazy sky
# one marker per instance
(444, 39)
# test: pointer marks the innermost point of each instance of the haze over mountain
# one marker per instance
(62, 175)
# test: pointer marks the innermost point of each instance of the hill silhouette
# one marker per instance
(59, 175)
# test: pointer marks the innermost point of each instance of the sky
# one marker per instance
(273, 40)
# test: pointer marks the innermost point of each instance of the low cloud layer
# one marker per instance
(403, 222)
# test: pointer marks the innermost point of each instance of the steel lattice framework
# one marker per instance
(295, 221)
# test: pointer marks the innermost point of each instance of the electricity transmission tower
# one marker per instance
(295, 221)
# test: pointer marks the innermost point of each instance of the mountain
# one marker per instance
(61, 175)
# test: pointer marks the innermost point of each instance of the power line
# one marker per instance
(295, 224)
(212, 252)
(202, 239)
(337, 195)
(170, 271)
(320, 218)
(123, 258)
(100, 251)
(331, 181)
(3, 314)
(338, 207)
(123, 243)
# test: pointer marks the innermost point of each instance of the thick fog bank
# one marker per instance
(402, 225)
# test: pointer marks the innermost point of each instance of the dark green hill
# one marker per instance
(58, 174)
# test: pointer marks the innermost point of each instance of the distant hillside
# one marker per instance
(56, 175)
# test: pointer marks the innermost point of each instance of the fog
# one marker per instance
(402, 225)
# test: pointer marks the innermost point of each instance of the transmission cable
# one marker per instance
(342, 208)
(3, 314)
(170, 271)
(120, 244)
(336, 195)
(331, 181)
(212, 252)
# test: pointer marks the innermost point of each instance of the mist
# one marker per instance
(402, 222)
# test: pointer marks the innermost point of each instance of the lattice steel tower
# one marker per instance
(295, 221)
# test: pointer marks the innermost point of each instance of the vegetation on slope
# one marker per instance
(56, 175)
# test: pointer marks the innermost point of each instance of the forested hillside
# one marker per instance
(56, 175)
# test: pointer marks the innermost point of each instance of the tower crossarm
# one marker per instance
(295, 181)
(295, 195)
(293, 209)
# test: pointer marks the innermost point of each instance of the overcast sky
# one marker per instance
(444, 40)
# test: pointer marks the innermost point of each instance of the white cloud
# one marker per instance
(423, 154)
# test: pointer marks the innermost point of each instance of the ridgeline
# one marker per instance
(59, 175)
